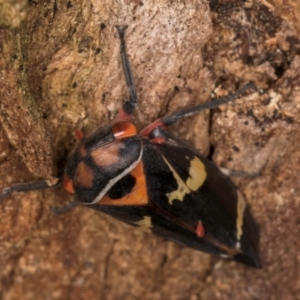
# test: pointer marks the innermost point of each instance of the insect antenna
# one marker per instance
(172, 119)
(130, 105)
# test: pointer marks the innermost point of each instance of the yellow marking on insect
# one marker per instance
(241, 205)
(145, 224)
(197, 176)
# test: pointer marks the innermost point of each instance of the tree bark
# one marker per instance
(60, 70)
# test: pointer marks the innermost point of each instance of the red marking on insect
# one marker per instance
(78, 134)
(158, 123)
(200, 231)
(158, 140)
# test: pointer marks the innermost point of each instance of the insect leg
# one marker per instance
(25, 187)
(237, 173)
(62, 210)
(172, 119)
(130, 105)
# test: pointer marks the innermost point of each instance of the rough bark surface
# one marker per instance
(60, 70)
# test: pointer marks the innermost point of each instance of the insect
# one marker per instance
(155, 180)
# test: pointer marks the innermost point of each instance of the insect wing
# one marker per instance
(191, 190)
(187, 199)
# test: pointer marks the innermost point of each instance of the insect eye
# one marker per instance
(123, 129)
(68, 184)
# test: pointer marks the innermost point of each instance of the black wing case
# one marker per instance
(187, 194)
(200, 194)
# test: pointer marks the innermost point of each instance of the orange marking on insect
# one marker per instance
(137, 196)
(200, 231)
(123, 129)
(84, 175)
(68, 184)
(107, 155)
(158, 140)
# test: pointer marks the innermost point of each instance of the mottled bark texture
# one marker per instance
(60, 70)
